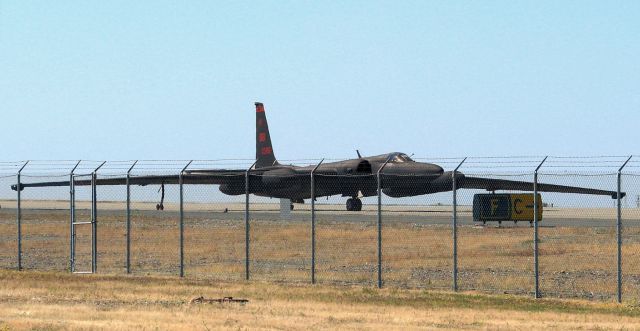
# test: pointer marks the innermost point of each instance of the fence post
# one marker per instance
(181, 183)
(536, 269)
(19, 216)
(129, 217)
(94, 219)
(380, 222)
(454, 225)
(619, 229)
(313, 223)
(246, 221)
(72, 214)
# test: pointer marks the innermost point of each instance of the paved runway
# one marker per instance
(422, 217)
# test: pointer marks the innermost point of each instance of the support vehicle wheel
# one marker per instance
(358, 204)
(350, 204)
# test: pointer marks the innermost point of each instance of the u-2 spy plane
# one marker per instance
(355, 178)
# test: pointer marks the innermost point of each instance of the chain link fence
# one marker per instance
(8, 231)
(434, 240)
(499, 256)
(214, 234)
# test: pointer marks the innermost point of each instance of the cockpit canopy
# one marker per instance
(400, 158)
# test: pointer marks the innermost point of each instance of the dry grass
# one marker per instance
(52, 301)
(574, 262)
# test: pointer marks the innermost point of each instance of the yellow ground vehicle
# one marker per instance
(505, 207)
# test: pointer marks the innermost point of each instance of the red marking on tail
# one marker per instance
(266, 150)
(262, 137)
(259, 108)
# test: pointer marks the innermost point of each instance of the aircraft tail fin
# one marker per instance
(264, 150)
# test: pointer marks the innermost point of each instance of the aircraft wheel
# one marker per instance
(358, 204)
(350, 204)
(158, 207)
(291, 206)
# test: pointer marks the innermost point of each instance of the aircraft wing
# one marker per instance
(491, 184)
(191, 177)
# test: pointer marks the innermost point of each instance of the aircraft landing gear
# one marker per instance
(160, 206)
(354, 204)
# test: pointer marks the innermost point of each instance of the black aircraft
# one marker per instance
(400, 177)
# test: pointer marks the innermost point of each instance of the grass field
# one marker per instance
(56, 301)
(575, 262)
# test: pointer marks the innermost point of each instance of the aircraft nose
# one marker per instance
(428, 168)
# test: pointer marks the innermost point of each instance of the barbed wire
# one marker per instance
(43, 176)
(21, 162)
(517, 163)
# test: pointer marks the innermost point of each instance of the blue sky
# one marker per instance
(166, 80)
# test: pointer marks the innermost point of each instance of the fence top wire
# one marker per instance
(43, 176)
(502, 164)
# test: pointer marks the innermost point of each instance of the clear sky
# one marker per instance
(177, 80)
